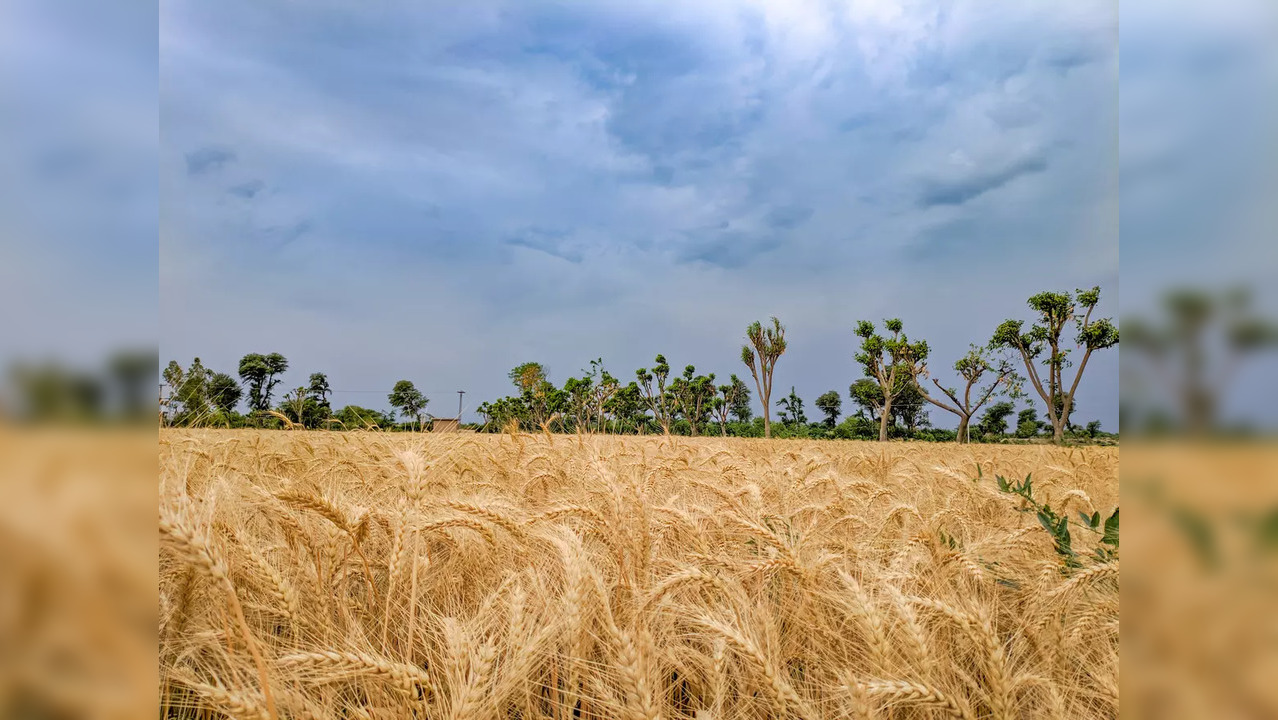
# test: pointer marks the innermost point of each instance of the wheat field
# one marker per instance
(371, 575)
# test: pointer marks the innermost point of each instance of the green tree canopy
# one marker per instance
(1041, 345)
(224, 392)
(655, 395)
(408, 400)
(994, 421)
(887, 360)
(261, 374)
(792, 410)
(831, 404)
(766, 346)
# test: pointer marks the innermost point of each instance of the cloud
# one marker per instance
(247, 190)
(549, 242)
(730, 250)
(208, 159)
(787, 217)
(961, 190)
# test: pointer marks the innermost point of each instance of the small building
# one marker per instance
(442, 425)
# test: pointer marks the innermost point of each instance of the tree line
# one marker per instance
(1038, 362)
(200, 396)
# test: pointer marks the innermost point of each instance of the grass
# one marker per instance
(367, 575)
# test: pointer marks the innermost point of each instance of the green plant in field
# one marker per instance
(1057, 525)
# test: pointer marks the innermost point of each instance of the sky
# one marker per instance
(439, 193)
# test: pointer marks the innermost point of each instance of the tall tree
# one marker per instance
(792, 410)
(406, 398)
(831, 404)
(316, 409)
(766, 346)
(976, 365)
(657, 398)
(192, 393)
(887, 361)
(318, 387)
(261, 374)
(540, 398)
(693, 395)
(1055, 311)
(224, 392)
(527, 376)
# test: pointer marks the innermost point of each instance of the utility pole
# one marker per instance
(460, 393)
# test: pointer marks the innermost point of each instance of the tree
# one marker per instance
(605, 386)
(627, 405)
(580, 396)
(1196, 349)
(315, 408)
(978, 363)
(540, 398)
(908, 407)
(732, 399)
(1055, 311)
(887, 361)
(192, 393)
(260, 373)
(739, 402)
(132, 373)
(657, 398)
(318, 387)
(792, 409)
(527, 376)
(173, 376)
(994, 421)
(831, 404)
(293, 405)
(868, 396)
(693, 395)
(406, 398)
(1093, 429)
(766, 346)
(1027, 423)
(354, 416)
(224, 392)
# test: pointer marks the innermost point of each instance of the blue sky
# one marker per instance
(439, 192)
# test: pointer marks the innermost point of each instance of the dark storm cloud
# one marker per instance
(960, 190)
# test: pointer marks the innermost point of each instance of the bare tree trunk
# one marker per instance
(1058, 431)
(962, 429)
(767, 416)
(883, 420)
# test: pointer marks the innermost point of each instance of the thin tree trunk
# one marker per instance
(767, 418)
(962, 429)
(883, 420)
